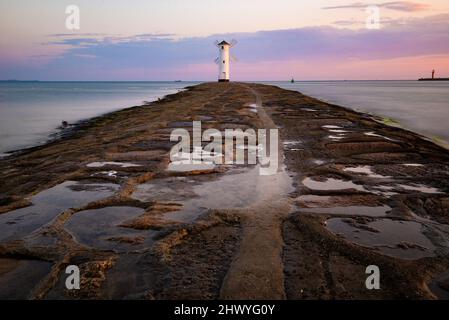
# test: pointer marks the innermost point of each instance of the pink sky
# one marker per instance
(173, 39)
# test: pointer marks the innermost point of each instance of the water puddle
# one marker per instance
(18, 277)
(338, 131)
(331, 127)
(440, 286)
(419, 188)
(292, 145)
(400, 239)
(111, 163)
(333, 137)
(48, 204)
(379, 211)
(309, 109)
(384, 191)
(366, 170)
(413, 165)
(238, 188)
(100, 228)
(332, 184)
(372, 134)
(252, 107)
(112, 174)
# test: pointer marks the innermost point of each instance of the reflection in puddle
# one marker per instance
(331, 184)
(18, 277)
(339, 137)
(48, 204)
(319, 162)
(379, 211)
(400, 239)
(100, 228)
(419, 188)
(112, 174)
(365, 170)
(292, 145)
(180, 167)
(372, 134)
(234, 190)
(338, 131)
(331, 127)
(111, 163)
(253, 107)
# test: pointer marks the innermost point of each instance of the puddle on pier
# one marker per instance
(413, 164)
(112, 174)
(253, 107)
(112, 163)
(292, 145)
(331, 127)
(400, 239)
(419, 188)
(366, 170)
(440, 286)
(332, 184)
(339, 137)
(372, 134)
(318, 162)
(238, 188)
(380, 211)
(199, 159)
(100, 228)
(341, 205)
(18, 277)
(47, 204)
(338, 131)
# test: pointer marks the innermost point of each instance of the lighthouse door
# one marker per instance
(224, 74)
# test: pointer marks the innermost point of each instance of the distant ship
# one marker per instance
(433, 78)
(292, 80)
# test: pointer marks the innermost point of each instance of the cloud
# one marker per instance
(154, 56)
(406, 6)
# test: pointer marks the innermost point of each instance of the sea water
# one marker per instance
(31, 111)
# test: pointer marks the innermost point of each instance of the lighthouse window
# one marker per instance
(223, 61)
(222, 47)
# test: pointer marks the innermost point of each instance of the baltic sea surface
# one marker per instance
(31, 111)
(419, 106)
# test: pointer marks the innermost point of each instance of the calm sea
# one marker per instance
(419, 106)
(31, 111)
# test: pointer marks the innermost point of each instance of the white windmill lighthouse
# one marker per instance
(223, 59)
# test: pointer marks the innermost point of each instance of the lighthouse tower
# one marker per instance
(223, 61)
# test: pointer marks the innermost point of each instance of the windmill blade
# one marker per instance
(217, 60)
(234, 58)
(233, 42)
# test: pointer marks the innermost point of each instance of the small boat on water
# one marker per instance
(292, 80)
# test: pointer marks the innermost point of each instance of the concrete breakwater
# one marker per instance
(350, 192)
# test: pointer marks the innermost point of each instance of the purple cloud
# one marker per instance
(406, 6)
(98, 58)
